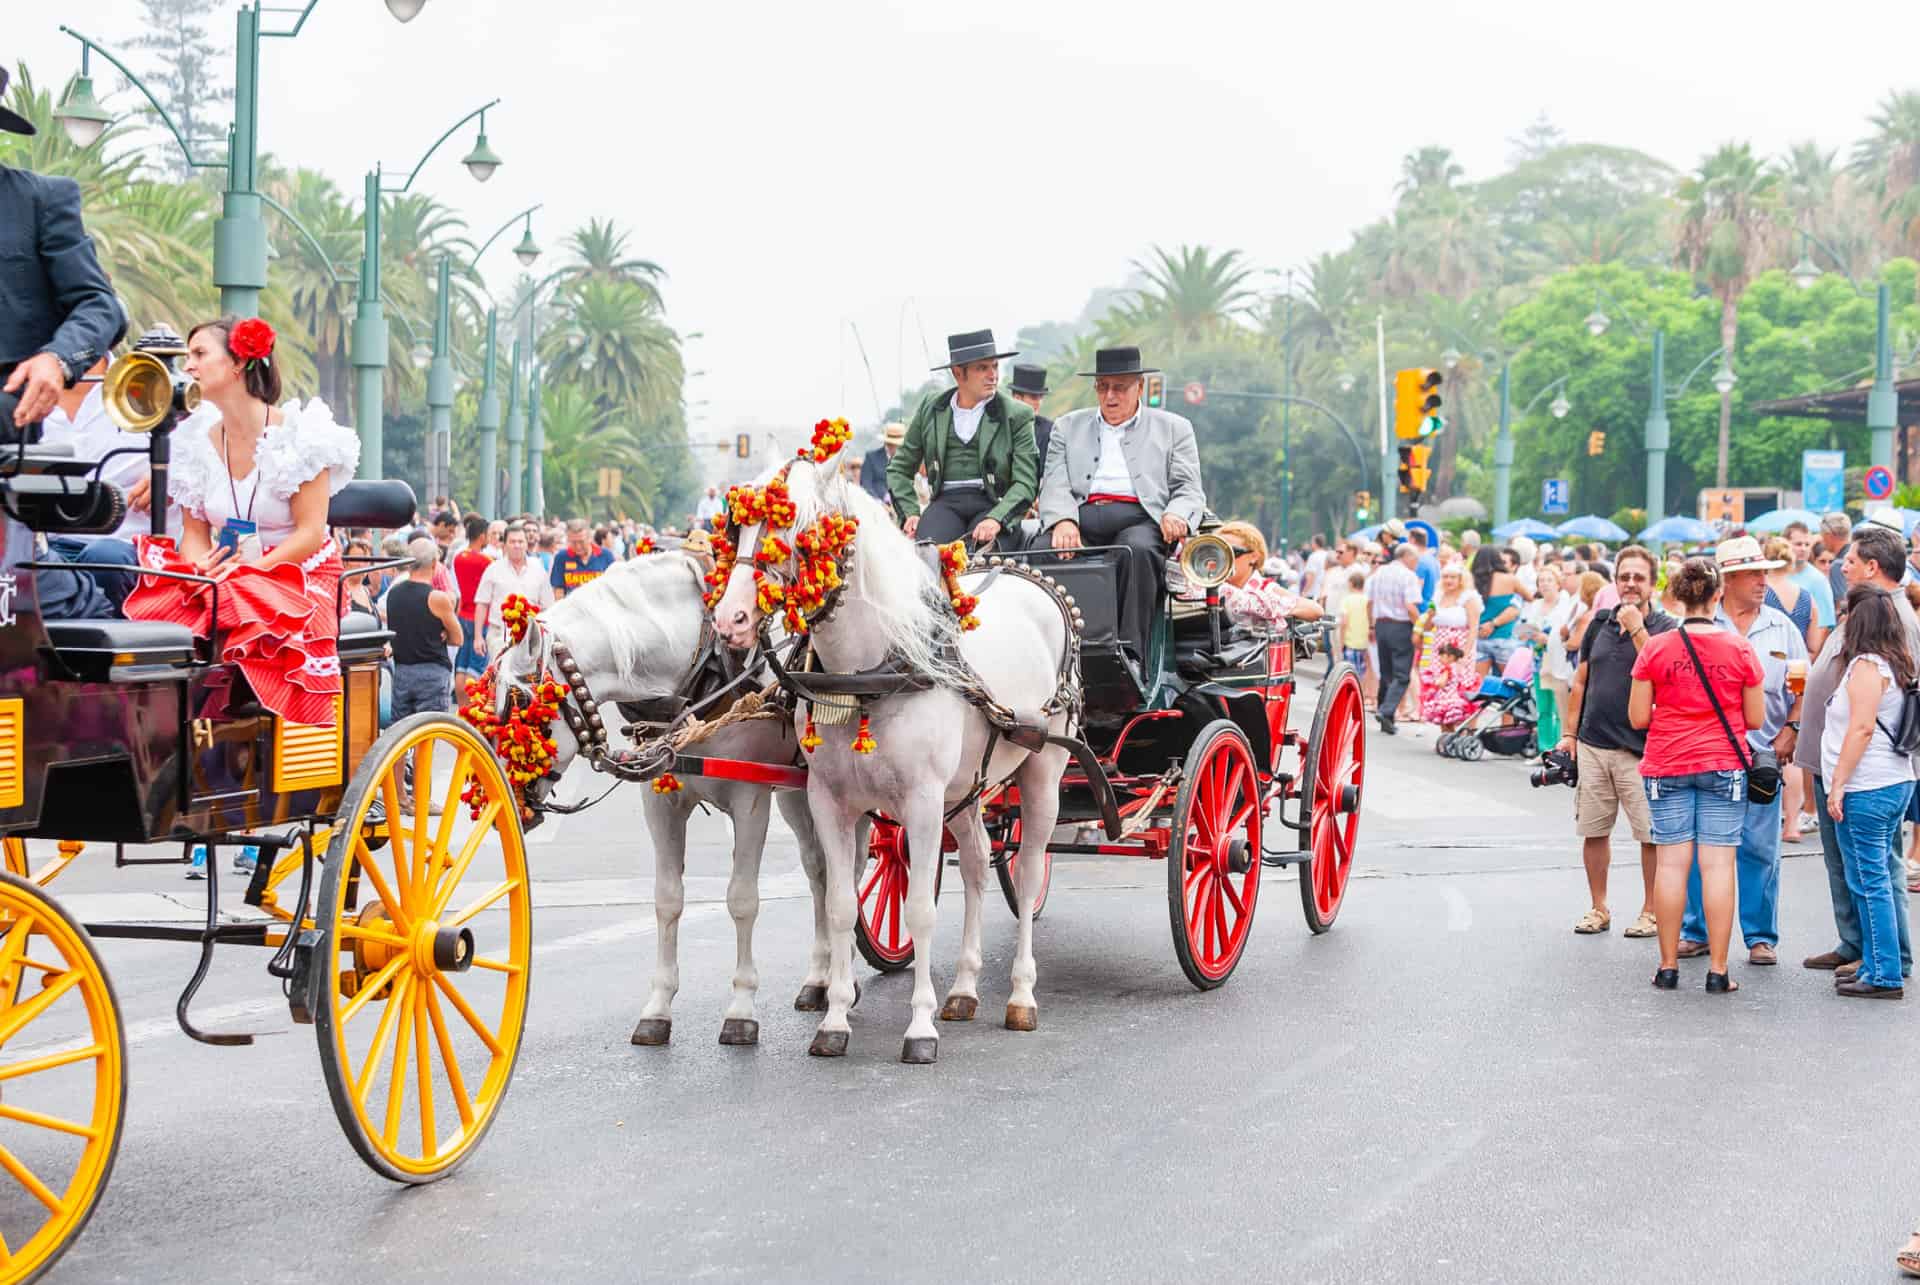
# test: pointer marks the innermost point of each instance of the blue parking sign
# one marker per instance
(1553, 495)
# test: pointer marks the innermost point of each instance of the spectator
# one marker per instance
(446, 529)
(1606, 743)
(424, 626)
(1543, 625)
(1354, 620)
(496, 538)
(1836, 529)
(1315, 567)
(1696, 691)
(1810, 578)
(580, 563)
(1500, 608)
(1876, 557)
(1776, 643)
(360, 589)
(1394, 596)
(549, 545)
(1336, 579)
(516, 573)
(468, 566)
(709, 505)
(1869, 782)
(1426, 566)
(1453, 622)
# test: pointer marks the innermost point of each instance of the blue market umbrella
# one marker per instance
(1532, 528)
(1367, 532)
(1679, 529)
(1777, 520)
(1592, 527)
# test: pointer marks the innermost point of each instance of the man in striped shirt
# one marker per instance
(1394, 594)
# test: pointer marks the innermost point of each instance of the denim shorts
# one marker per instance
(1703, 807)
(1357, 657)
(1495, 650)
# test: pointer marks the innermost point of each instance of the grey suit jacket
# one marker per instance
(1161, 455)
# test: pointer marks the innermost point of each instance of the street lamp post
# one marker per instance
(1883, 404)
(536, 449)
(487, 488)
(368, 348)
(1658, 432)
(516, 431)
(440, 389)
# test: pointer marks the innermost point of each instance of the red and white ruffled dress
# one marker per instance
(280, 624)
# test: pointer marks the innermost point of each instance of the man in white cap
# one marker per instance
(873, 468)
(1776, 640)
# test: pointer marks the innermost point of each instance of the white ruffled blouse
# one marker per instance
(291, 453)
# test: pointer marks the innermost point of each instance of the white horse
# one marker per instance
(929, 744)
(634, 633)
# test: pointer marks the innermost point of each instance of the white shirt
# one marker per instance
(289, 454)
(1316, 567)
(967, 422)
(1879, 766)
(708, 506)
(1111, 476)
(92, 434)
(499, 582)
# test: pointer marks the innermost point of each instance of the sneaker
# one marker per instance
(197, 868)
(246, 859)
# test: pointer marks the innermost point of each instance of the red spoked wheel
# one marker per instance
(1332, 777)
(1213, 866)
(880, 924)
(1009, 884)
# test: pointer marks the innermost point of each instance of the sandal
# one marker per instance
(1644, 926)
(1721, 984)
(1594, 921)
(1691, 949)
(1908, 1259)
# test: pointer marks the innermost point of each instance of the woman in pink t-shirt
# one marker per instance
(1694, 768)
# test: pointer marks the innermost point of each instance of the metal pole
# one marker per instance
(369, 346)
(1882, 403)
(487, 489)
(240, 233)
(1503, 451)
(1389, 476)
(440, 390)
(1658, 433)
(1286, 424)
(536, 448)
(516, 433)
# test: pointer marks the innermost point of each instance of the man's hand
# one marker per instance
(1173, 527)
(39, 380)
(911, 525)
(1066, 535)
(987, 532)
(1566, 745)
(1784, 743)
(139, 494)
(1631, 619)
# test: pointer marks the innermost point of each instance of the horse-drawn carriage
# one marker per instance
(412, 961)
(1197, 764)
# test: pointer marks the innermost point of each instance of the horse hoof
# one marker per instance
(920, 1050)
(811, 999)
(959, 1008)
(1023, 1017)
(651, 1032)
(828, 1044)
(739, 1030)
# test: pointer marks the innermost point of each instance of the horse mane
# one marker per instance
(888, 576)
(621, 610)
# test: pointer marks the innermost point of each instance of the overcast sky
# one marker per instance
(799, 167)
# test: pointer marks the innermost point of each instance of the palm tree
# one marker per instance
(600, 251)
(615, 346)
(1731, 206)
(314, 274)
(1429, 170)
(1889, 160)
(1196, 295)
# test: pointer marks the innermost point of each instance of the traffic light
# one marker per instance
(1362, 504)
(1416, 403)
(1413, 468)
(1156, 395)
(1596, 442)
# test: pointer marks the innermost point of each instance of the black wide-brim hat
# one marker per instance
(1031, 380)
(974, 345)
(1118, 361)
(11, 121)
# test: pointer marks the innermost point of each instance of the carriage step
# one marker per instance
(1274, 860)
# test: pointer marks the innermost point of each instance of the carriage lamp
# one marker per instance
(528, 250)
(1560, 406)
(1724, 379)
(405, 10)
(80, 113)
(482, 161)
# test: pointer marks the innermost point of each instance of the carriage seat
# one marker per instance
(361, 633)
(100, 650)
(384, 504)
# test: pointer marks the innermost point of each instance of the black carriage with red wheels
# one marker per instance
(1198, 766)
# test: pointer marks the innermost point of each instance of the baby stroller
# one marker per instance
(1505, 719)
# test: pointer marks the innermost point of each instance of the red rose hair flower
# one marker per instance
(251, 340)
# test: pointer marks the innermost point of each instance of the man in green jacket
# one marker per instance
(977, 444)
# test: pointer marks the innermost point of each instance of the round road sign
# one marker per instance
(1196, 394)
(1879, 482)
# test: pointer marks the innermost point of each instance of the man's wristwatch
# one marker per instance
(1794, 725)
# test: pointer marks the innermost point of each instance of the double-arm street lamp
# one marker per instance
(240, 234)
(488, 426)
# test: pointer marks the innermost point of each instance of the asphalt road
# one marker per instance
(1450, 1086)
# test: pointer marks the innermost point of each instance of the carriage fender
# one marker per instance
(1248, 710)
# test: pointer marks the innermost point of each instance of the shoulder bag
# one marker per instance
(1762, 766)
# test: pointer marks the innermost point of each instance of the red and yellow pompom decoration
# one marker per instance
(953, 564)
(522, 740)
(829, 435)
(863, 742)
(517, 614)
(817, 551)
(810, 739)
(667, 783)
(724, 555)
(643, 545)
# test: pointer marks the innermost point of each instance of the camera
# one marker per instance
(1556, 768)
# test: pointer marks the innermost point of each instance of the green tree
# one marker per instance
(1889, 160)
(186, 75)
(1191, 296)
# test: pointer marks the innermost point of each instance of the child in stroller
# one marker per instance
(1504, 718)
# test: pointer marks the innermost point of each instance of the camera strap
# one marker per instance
(1739, 750)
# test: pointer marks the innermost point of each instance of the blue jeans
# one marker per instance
(1846, 922)
(1757, 868)
(1869, 837)
(1697, 807)
(85, 595)
(468, 661)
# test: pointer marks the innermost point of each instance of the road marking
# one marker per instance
(1459, 910)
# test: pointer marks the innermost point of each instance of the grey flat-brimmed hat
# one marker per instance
(973, 345)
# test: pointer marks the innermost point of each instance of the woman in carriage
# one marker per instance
(1248, 594)
(253, 486)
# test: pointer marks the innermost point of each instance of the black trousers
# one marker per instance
(1395, 639)
(952, 514)
(1143, 571)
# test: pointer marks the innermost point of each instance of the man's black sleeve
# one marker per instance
(92, 319)
(1602, 617)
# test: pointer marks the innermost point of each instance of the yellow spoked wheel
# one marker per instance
(20, 862)
(63, 1083)
(426, 941)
